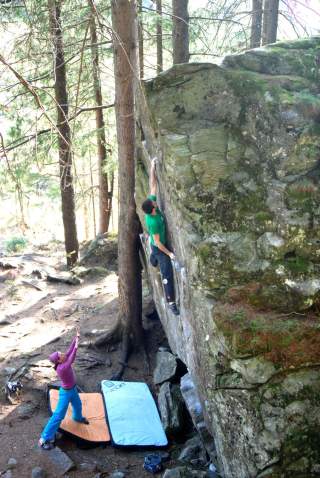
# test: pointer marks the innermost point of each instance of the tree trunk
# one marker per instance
(140, 39)
(270, 21)
(159, 37)
(180, 31)
(85, 209)
(92, 198)
(105, 190)
(129, 269)
(256, 24)
(64, 136)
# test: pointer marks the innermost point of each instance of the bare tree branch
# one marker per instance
(25, 139)
(30, 88)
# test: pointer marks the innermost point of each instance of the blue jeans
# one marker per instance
(65, 397)
(164, 262)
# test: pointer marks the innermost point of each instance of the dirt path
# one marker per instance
(33, 323)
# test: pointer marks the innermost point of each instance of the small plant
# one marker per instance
(302, 190)
(286, 340)
(16, 244)
(303, 195)
(238, 316)
(12, 291)
(256, 325)
(297, 265)
(263, 216)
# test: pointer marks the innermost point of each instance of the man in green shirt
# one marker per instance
(156, 227)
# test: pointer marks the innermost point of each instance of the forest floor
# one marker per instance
(36, 321)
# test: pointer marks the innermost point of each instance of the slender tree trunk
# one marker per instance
(180, 31)
(140, 39)
(86, 220)
(129, 268)
(92, 198)
(64, 136)
(256, 24)
(85, 209)
(22, 221)
(105, 193)
(159, 37)
(270, 21)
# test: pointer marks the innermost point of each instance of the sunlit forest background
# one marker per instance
(29, 166)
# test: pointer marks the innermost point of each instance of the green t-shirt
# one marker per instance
(156, 223)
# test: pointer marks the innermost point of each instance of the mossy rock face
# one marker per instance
(238, 173)
(298, 60)
(236, 151)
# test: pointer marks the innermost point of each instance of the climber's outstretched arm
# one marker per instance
(153, 178)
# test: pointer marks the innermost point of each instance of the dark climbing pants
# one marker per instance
(164, 262)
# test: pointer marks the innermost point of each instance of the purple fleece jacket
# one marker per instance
(64, 370)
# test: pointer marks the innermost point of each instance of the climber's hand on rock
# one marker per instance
(172, 256)
(153, 162)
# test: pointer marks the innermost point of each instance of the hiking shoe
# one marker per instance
(46, 444)
(173, 307)
(83, 420)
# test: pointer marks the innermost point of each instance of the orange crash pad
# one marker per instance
(93, 409)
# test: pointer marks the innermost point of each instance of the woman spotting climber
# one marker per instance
(68, 393)
(160, 254)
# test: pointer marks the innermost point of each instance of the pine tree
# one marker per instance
(64, 136)
(125, 70)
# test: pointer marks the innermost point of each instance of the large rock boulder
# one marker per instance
(238, 149)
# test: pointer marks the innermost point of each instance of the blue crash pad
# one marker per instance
(132, 414)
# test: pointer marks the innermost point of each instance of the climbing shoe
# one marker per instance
(46, 444)
(83, 420)
(173, 307)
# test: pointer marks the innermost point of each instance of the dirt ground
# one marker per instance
(38, 317)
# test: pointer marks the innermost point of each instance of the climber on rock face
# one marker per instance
(160, 254)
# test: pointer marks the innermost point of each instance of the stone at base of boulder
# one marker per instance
(171, 407)
(193, 452)
(166, 367)
(184, 472)
(59, 459)
(193, 404)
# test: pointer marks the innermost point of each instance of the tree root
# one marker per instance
(125, 354)
(112, 336)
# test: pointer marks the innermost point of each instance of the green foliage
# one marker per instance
(12, 290)
(263, 216)
(298, 265)
(30, 177)
(32, 170)
(53, 191)
(238, 316)
(15, 244)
